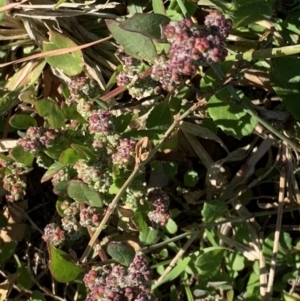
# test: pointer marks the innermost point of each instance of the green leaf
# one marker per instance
(21, 156)
(62, 269)
(121, 122)
(191, 178)
(290, 297)
(8, 100)
(121, 252)
(235, 261)
(170, 168)
(160, 117)
(49, 109)
(209, 263)
(61, 188)
(250, 13)
(24, 278)
(148, 237)
(232, 119)
(149, 25)
(134, 44)
(22, 121)
(134, 6)
(212, 210)
(52, 170)
(70, 156)
(171, 226)
(2, 3)
(175, 272)
(70, 63)
(159, 7)
(81, 193)
(71, 113)
(37, 296)
(3, 220)
(7, 249)
(87, 151)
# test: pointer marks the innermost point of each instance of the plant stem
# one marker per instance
(265, 53)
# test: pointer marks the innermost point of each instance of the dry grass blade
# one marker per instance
(11, 6)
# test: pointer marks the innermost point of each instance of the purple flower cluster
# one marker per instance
(81, 86)
(160, 200)
(89, 217)
(100, 122)
(54, 235)
(190, 47)
(124, 155)
(37, 139)
(115, 283)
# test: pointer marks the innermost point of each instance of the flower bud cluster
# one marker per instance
(160, 201)
(11, 174)
(90, 217)
(63, 175)
(54, 235)
(115, 283)
(138, 88)
(190, 47)
(124, 155)
(95, 175)
(70, 220)
(100, 121)
(38, 139)
(81, 86)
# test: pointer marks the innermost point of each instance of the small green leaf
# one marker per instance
(70, 156)
(232, 119)
(50, 109)
(235, 261)
(149, 25)
(171, 226)
(170, 168)
(87, 151)
(81, 193)
(121, 122)
(149, 236)
(70, 63)
(6, 251)
(22, 121)
(2, 3)
(191, 178)
(21, 156)
(258, 11)
(209, 263)
(160, 117)
(61, 188)
(159, 7)
(62, 270)
(8, 99)
(37, 296)
(134, 44)
(212, 210)
(71, 113)
(121, 252)
(52, 170)
(24, 279)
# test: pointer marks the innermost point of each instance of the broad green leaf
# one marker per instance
(87, 151)
(212, 210)
(121, 252)
(24, 279)
(70, 63)
(21, 156)
(37, 296)
(22, 121)
(62, 269)
(52, 170)
(191, 178)
(160, 117)
(175, 272)
(49, 109)
(170, 168)
(8, 99)
(149, 25)
(159, 7)
(251, 12)
(121, 122)
(71, 113)
(209, 263)
(232, 119)
(290, 297)
(149, 236)
(61, 188)
(171, 226)
(7, 249)
(134, 44)
(70, 156)
(235, 261)
(81, 193)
